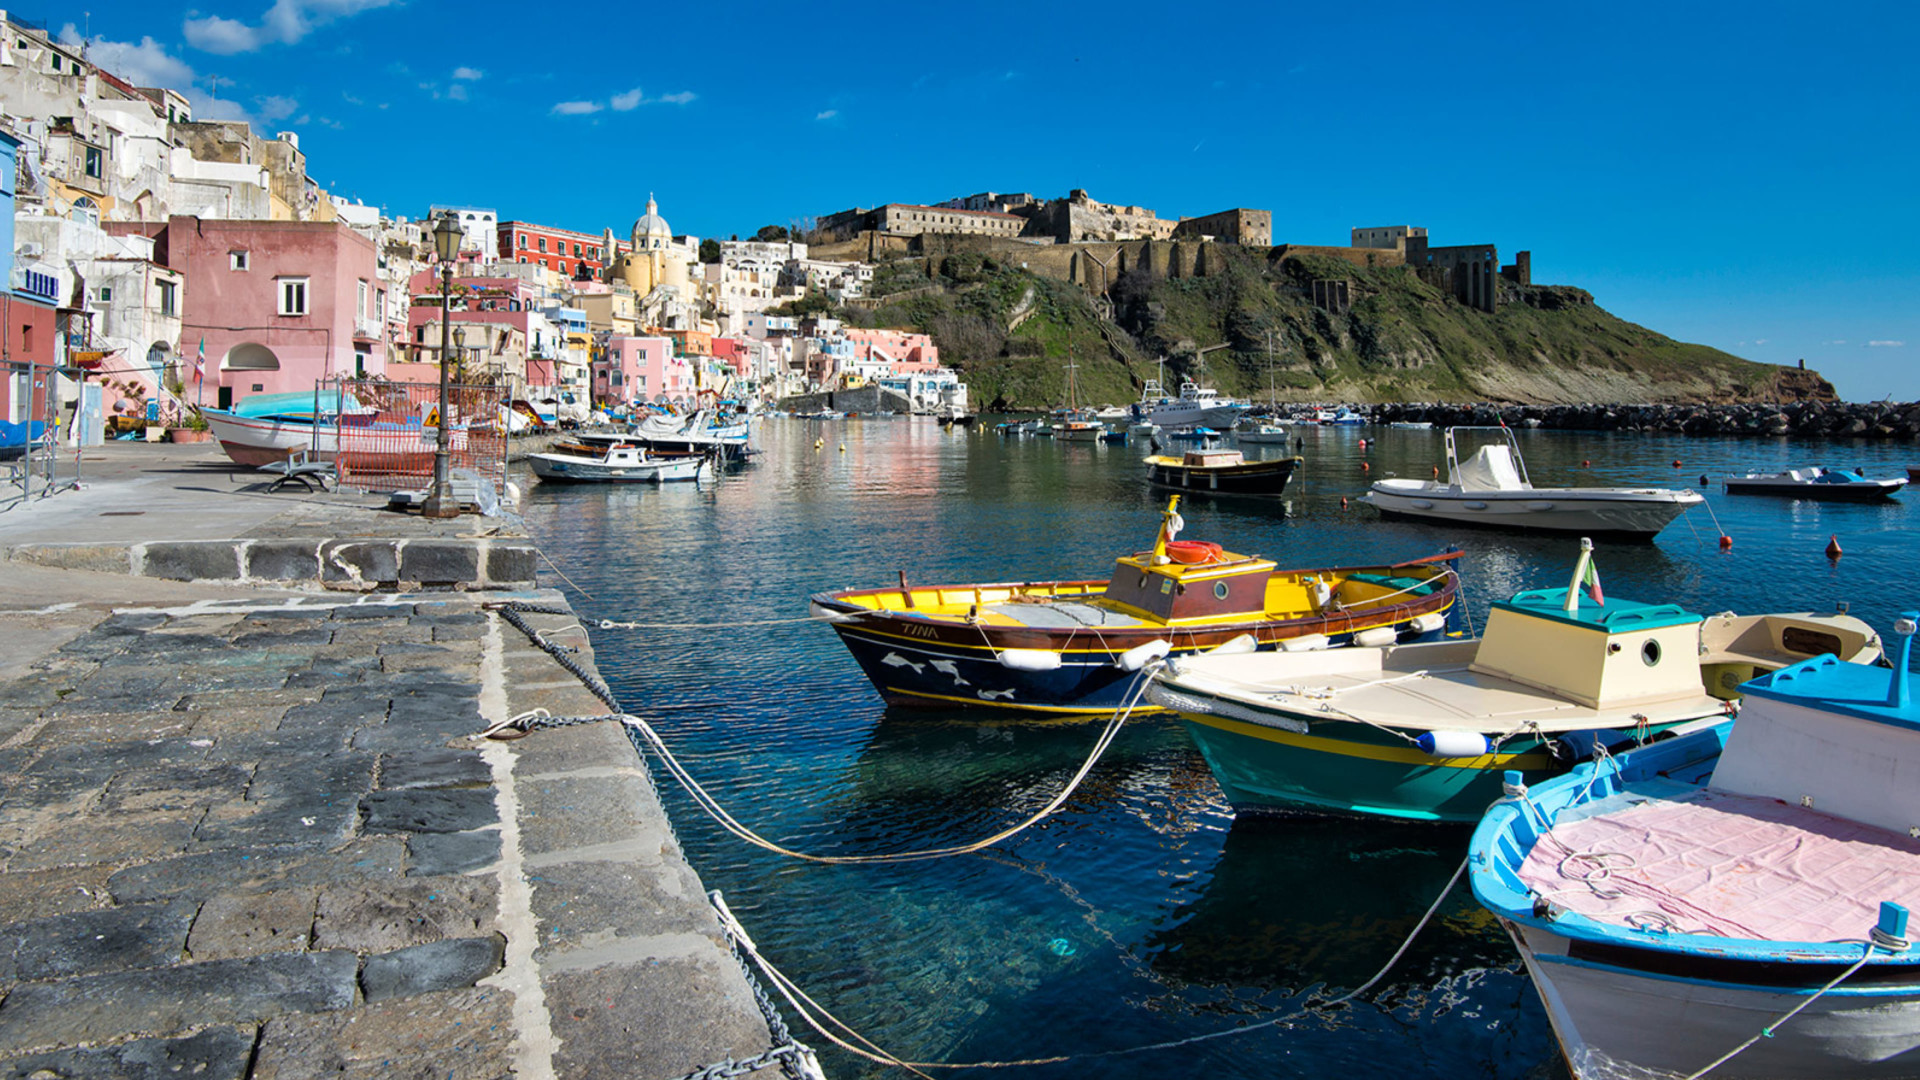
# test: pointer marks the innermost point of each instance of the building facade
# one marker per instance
(1248, 228)
(1388, 236)
(580, 256)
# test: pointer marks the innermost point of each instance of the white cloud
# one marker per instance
(1842, 341)
(457, 92)
(1760, 341)
(680, 98)
(285, 23)
(625, 102)
(350, 99)
(275, 107)
(827, 114)
(577, 108)
(628, 101)
(145, 64)
(467, 73)
(1885, 344)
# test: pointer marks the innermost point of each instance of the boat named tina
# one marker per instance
(1075, 646)
(1423, 731)
(1220, 472)
(1675, 904)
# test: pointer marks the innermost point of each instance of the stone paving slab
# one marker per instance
(258, 838)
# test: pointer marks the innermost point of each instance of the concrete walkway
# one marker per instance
(250, 832)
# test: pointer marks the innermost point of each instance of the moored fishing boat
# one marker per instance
(1220, 472)
(1842, 485)
(1731, 901)
(1492, 489)
(1074, 646)
(1423, 731)
(602, 461)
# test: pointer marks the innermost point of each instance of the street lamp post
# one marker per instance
(446, 245)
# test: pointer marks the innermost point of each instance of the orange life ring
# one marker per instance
(1192, 551)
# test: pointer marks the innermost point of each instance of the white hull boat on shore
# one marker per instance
(372, 447)
(1492, 490)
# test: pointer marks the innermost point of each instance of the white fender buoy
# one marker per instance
(1428, 623)
(1030, 659)
(1376, 637)
(1141, 655)
(1245, 643)
(1305, 643)
(1454, 744)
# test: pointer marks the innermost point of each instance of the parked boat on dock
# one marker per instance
(1493, 490)
(1679, 902)
(1074, 646)
(1841, 485)
(1220, 472)
(1424, 731)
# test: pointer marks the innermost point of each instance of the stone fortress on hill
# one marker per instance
(1092, 243)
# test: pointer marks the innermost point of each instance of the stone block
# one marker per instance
(220, 1053)
(166, 1001)
(577, 903)
(283, 560)
(192, 560)
(251, 870)
(439, 562)
(430, 854)
(42, 894)
(92, 942)
(511, 564)
(463, 1034)
(302, 819)
(434, 768)
(233, 925)
(99, 558)
(429, 810)
(363, 561)
(661, 1018)
(561, 812)
(175, 787)
(304, 638)
(363, 612)
(344, 776)
(105, 838)
(382, 916)
(423, 969)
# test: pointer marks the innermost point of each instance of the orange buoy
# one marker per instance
(1833, 547)
(1676, 463)
(1343, 502)
(1585, 463)
(1364, 467)
(1363, 444)
(1726, 542)
(1436, 472)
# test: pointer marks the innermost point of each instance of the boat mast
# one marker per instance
(1579, 575)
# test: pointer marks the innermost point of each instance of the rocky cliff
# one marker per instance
(1251, 328)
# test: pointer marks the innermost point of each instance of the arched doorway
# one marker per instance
(251, 356)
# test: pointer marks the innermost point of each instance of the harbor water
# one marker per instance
(1141, 930)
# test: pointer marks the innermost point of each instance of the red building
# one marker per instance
(578, 255)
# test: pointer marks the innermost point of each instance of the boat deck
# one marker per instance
(1061, 615)
(1710, 862)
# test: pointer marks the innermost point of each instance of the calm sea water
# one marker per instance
(1142, 912)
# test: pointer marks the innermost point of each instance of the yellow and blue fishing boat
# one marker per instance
(1074, 646)
(1424, 731)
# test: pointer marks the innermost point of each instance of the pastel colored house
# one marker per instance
(640, 368)
(27, 326)
(902, 351)
(280, 304)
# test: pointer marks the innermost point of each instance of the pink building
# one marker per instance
(733, 353)
(280, 304)
(637, 368)
(907, 353)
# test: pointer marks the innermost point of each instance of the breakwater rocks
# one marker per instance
(1876, 420)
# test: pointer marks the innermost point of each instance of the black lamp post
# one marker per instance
(446, 245)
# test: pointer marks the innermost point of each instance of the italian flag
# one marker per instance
(1590, 583)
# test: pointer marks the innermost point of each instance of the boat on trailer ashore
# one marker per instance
(1422, 732)
(1675, 904)
(1075, 646)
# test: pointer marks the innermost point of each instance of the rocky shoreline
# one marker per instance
(1819, 419)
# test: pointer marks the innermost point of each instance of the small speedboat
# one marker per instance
(1492, 489)
(1191, 434)
(1845, 485)
(1114, 435)
(1220, 472)
(1078, 431)
(1263, 434)
(1732, 901)
(1076, 646)
(579, 460)
(1423, 732)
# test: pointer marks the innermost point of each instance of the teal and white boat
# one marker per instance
(1731, 901)
(1424, 731)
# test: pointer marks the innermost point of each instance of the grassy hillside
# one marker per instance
(1011, 334)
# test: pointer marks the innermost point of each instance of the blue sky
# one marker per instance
(1741, 176)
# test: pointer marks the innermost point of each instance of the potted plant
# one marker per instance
(193, 429)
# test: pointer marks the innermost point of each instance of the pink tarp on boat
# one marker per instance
(1729, 865)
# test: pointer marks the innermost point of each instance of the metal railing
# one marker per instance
(387, 432)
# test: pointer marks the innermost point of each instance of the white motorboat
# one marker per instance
(1732, 901)
(1265, 433)
(1196, 406)
(1492, 489)
(1079, 431)
(603, 462)
(1842, 485)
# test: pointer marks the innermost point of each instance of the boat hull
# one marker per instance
(1542, 510)
(1870, 491)
(566, 469)
(1608, 1017)
(1246, 478)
